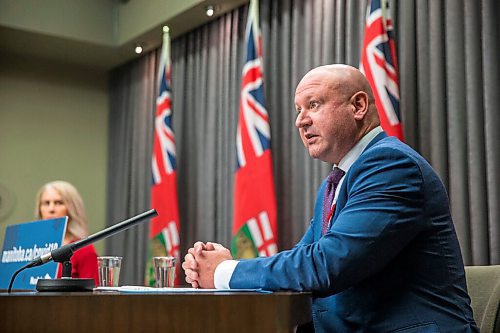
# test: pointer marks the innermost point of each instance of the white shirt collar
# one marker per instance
(355, 151)
(353, 154)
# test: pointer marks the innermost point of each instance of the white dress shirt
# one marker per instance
(224, 271)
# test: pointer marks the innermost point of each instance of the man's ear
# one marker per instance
(360, 102)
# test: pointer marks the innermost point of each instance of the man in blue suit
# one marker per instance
(381, 253)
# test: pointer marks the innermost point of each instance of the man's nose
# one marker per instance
(302, 120)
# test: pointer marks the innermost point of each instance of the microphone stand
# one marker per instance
(63, 255)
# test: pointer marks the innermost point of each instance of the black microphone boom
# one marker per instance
(65, 252)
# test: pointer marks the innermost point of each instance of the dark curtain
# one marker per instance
(449, 76)
(132, 100)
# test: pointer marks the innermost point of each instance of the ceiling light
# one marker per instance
(138, 49)
(210, 10)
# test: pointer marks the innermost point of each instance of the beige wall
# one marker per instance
(106, 22)
(85, 20)
(137, 16)
(53, 125)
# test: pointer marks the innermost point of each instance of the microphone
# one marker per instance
(64, 253)
(40, 260)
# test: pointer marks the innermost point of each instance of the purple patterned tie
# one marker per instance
(331, 185)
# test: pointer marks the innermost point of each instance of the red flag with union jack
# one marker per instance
(379, 64)
(254, 225)
(164, 229)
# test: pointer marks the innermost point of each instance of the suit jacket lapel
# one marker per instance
(342, 198)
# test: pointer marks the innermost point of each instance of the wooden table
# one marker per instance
(191, 312)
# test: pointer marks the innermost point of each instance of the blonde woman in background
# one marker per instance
(59, 199)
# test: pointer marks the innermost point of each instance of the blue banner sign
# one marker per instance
(24, 242)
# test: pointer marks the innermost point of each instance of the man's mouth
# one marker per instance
(310, 138)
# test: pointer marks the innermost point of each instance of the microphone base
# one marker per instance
(65, 285)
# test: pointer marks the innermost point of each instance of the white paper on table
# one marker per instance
(166, 290)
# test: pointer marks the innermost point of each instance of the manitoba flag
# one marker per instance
(379, 64)
(254, 226)
(164, 229)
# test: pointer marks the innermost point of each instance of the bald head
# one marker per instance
(345, 81)
(335, 109)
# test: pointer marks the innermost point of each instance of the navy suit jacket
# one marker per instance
(390, 261)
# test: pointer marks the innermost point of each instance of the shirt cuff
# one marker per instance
(223, 273)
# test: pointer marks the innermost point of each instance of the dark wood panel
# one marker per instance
(109, 312)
